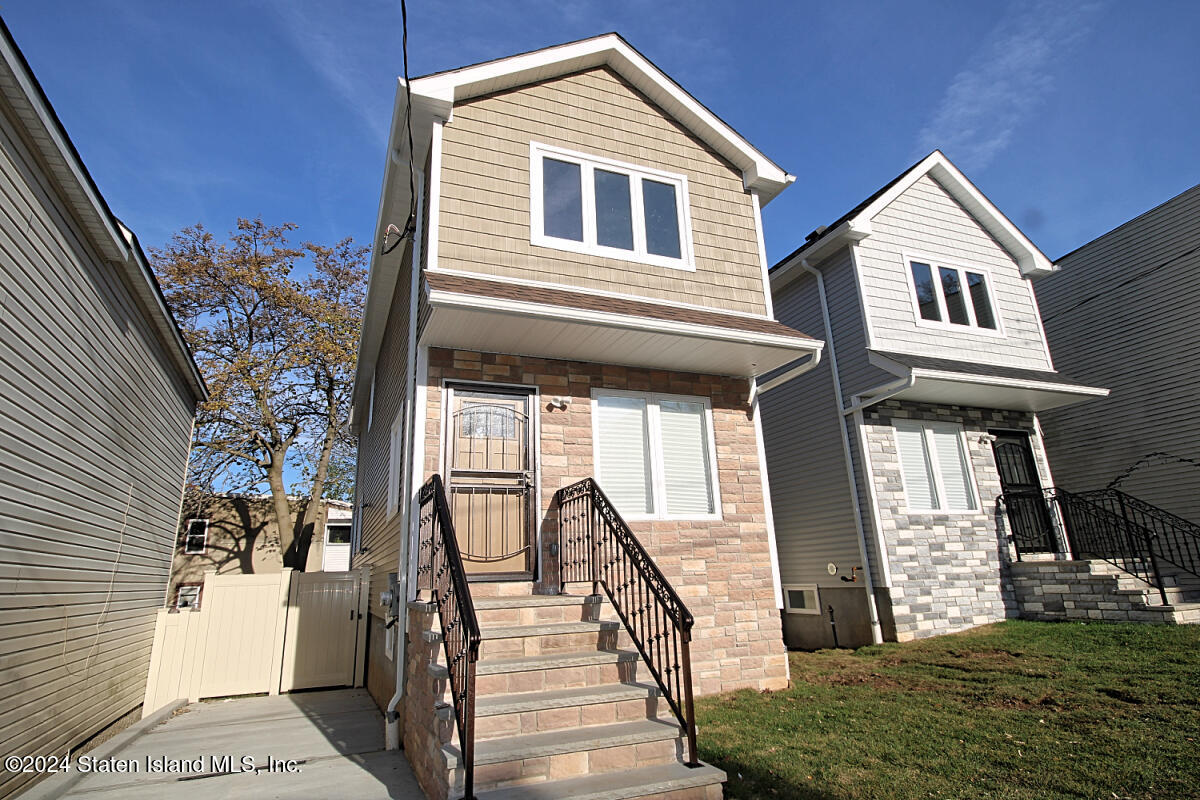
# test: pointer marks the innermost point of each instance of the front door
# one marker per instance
(1032, 529)
(490, 480)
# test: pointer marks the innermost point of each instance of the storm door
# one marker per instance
(490, 471)
(1027, 512)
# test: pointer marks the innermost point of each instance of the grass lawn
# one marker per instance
(1013, 710)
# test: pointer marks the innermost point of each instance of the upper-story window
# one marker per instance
(949, 295)
(589, 204)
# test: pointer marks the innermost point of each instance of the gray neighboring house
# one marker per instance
(887, 459)
(97, 396)
(1122, 310)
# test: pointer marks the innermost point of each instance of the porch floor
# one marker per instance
(336, 738)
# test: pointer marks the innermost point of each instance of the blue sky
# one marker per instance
(1072, 116)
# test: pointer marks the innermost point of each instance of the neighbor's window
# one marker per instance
(952, 295)
(337, 533)
(801, 599)
(195, 538)
(935, 467)
(187, 595)
(589, 204)
(655, 454)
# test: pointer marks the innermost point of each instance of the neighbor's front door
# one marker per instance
(491, 477)
(1027, 512)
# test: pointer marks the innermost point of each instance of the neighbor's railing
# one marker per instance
(597, 546)
(1100, 528)
(440, 569)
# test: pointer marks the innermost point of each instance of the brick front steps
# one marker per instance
(560, 712)
(1095, 590)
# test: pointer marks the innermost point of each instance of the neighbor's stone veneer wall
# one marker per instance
(949, 571)
(721, 569)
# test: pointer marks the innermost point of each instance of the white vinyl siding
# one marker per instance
(936, 472)
(655, 455)
(623, 454)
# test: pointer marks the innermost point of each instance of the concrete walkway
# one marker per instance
(312, 745)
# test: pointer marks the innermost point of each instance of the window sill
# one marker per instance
(970, 330)
(572, 246)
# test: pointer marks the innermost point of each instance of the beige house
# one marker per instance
(97, 395)
(559, 373)
(232, 533)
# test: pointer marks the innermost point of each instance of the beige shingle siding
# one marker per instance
(380, 531)
(95, 426)
(1137, 335)
(926, 220)
(484, 220)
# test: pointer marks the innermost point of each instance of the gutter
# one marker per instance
(869, 583)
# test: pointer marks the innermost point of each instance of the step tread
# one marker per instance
(554, 661)
(625, 785)
(573, 740)
(535, 601)
(494, 705)
(548, 629)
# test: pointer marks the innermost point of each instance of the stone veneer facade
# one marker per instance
(721, 568)
(948, 571)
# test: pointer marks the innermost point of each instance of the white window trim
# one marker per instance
(395, 459)
(658, 484)
(588, 163)
(199, 587)
(187, 527)
(802, 587)
(945, 325)
(939, 488)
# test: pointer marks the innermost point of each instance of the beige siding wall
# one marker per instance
(380, 531)
(94, 432)
(484, 224)
(927, 221)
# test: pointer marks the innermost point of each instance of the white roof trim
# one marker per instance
(1032, 261)
(759, 173)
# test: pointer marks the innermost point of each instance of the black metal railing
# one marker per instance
(597, 546)
(440, 569)
(1109, 525)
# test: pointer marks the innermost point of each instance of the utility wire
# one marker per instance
(411, 223)
(1121, 285)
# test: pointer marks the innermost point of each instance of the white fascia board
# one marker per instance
(758, 171)
(849, 232)
(1032, 261)
(1011, 383)
(394, 194)
(443, 299)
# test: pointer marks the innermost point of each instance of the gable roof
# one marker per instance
(114, 242)
(610, 49)
(855, 225)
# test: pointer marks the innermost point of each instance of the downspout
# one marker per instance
(393, 735)
(872, 610)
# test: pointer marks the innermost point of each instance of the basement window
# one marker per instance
(594, 205)
(952, 296)
(802, 599)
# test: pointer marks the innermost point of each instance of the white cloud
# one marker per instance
(1002, 88)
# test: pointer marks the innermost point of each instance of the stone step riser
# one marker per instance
(561, 678)
(536, 615)
(527, 646)
(525, 771)
(570, 717)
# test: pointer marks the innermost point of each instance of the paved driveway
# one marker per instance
(312, 745)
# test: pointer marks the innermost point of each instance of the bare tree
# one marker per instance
(274, 329)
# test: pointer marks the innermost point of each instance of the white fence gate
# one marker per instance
(261, 634)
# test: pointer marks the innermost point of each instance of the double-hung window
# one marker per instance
(655, 457)
(952, 295)
(935, 466)
(589, 204)
(195, 537)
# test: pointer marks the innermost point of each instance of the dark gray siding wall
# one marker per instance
(95, 426)
(1121, 313)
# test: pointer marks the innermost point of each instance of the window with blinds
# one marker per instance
(654, 455)
(935, 468)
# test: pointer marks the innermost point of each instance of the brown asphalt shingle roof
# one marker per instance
(588, 302)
